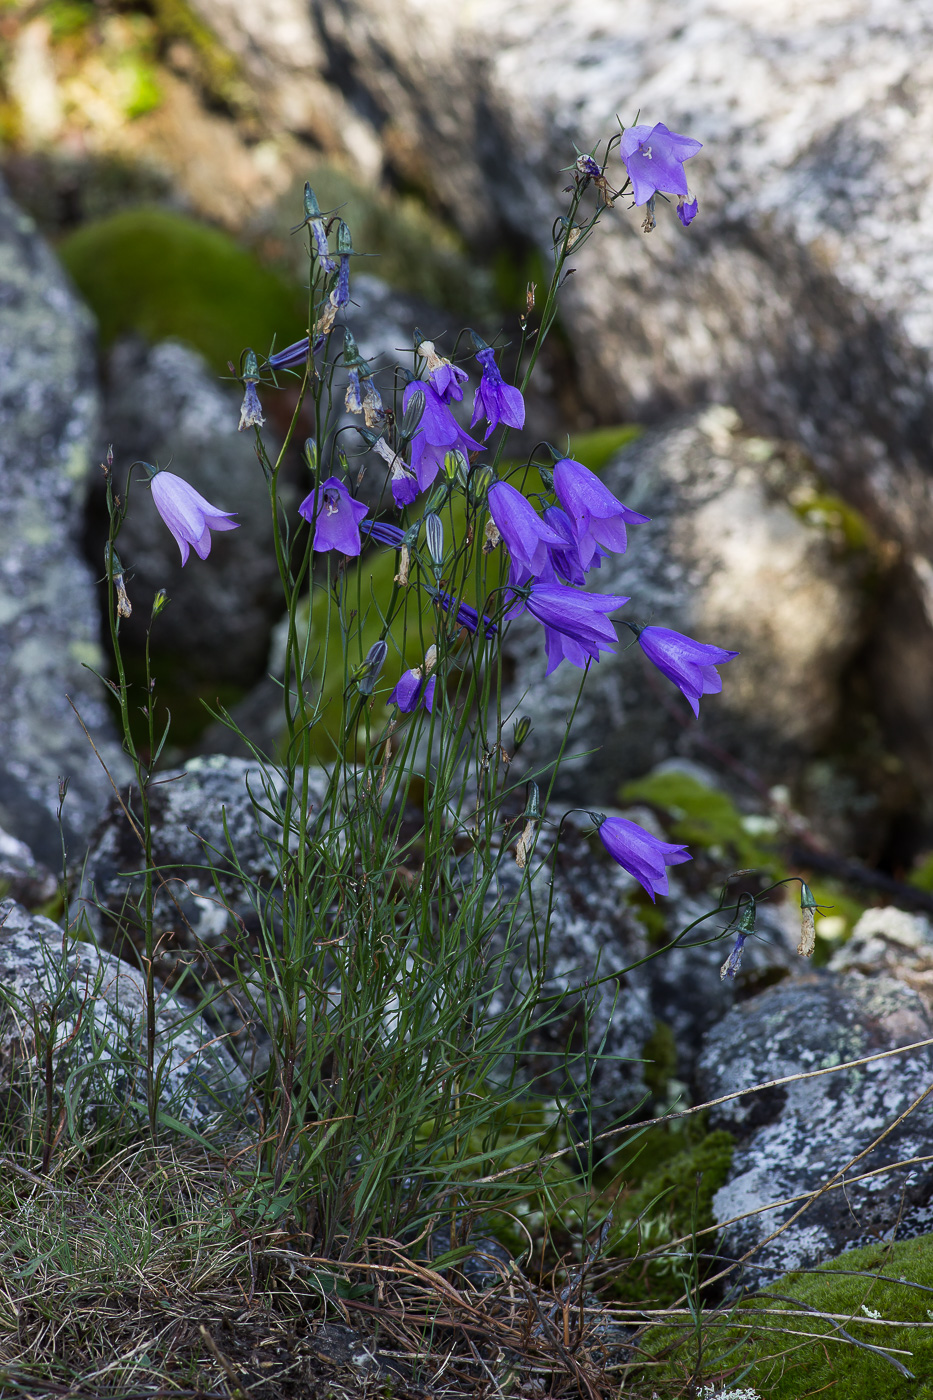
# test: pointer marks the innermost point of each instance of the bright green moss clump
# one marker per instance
(160, 274)
(782, 1366)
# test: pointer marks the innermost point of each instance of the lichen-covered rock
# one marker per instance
(22, 877)
(49, 627)
(795, 1138)
(95, 1006)
(892, 942)
(729, 557)
(163, 405)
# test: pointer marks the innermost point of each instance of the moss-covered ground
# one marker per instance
(787, 1342)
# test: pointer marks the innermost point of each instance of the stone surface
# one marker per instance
(101, 1004)
(49, 630)
(892, 943)
(726, 558)
(163, 405)
(22, 877)
(795, 1138)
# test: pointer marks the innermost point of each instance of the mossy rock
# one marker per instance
(162, 275)
(861, 1289)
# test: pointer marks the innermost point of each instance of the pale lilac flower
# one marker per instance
(654, 158)
(640, 853)
(598, 518)
(690, 665)
(336, 517)
(187, 514)
(526, 535)
(495, 400)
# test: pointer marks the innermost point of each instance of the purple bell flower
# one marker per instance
(336, 517)
(293, 355)
(187, 514)
(686, 211)
(598, 518)
(383, 533)
(690, 665)
(641, 854)
(438, 433)
(654, 158)
(466, 616)
(495, 400)
(574, 622)
(446, 379)
(527, 536)
(414, 690)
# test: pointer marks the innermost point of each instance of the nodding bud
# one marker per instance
(159, 602)
(373, 663)
(434, 534)
(478, 342)
(457, 466)
(344, 239)
(481, 478)
(250, 367)
(412, 416)
(808, 908)
(310, 454)
(312, 208)
(520, 730)
(352, 357)
(533, 803)
(547, 478)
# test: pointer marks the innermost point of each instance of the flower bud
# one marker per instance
(310, 454)
(533, 803)
(352, 357)
(434, 534)
(159, 602)
(457, 466)
(373, 663)
(481, 478)
(412, 416)
(520, 730)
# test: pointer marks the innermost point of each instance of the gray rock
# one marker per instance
(726, 558)
(163, 405)
(99, 1012)
(795, 1138)
(599, 1007)
(22, 877)
(49, 628)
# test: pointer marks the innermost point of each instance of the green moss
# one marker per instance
(159, 274)
(674, 1197)
(783, 1368)
(596, 449)
(703, 818)
(660, 1054)
(217, 70)
(846, 525)
(922, 874)
(68, 18)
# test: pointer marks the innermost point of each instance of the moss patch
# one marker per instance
(160, 274)
(786, 1365)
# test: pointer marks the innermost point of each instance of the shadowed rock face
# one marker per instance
(794, 1138)
(49, 630)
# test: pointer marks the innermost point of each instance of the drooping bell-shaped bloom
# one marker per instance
(335, 515)
(641, 854)
(654, 158)
(565, 559)
(383, 533)
(295, 354)
(575, 623)
(690, 665)
(527, 536)
(466, 615)
(413, 690)
(495, 400)
(438, 433)
(598, 518)
(187, 514)
(687, 210)
(447, 379)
